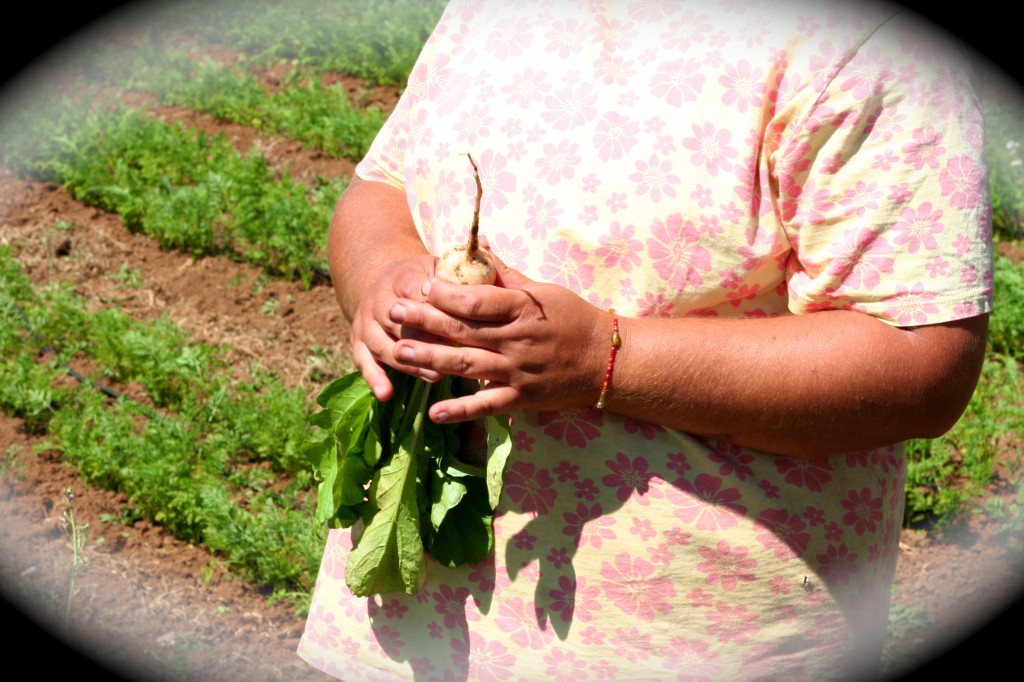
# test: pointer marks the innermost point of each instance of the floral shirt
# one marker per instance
(729, 159)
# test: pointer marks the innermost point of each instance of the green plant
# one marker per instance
(78, 535)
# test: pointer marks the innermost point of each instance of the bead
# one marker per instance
(616, 343)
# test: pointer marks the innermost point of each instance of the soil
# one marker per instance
(147, 606)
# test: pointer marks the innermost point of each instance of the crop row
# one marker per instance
(187, 190)
(213, 457)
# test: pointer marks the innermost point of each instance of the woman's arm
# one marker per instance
(375, 255)
(826, 382)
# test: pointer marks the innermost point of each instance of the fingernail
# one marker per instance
(441, 418)
(405, 354)
(397, 313)
(425, 289)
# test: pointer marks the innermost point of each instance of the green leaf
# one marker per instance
(466, 535)
(499, 446)
(388, 556)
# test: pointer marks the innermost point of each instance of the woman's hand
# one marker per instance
(375, 333)
(535, 345)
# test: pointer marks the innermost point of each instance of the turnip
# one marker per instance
(468, 263)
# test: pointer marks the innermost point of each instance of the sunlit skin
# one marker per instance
(823, 383)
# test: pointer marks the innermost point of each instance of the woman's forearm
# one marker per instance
(822, 383)
(371, 231)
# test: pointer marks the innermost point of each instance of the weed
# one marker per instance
(129, 277)
(78, 534)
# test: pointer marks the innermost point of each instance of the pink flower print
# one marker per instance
(526, 89)
(524, 540)
(573, 426)
(677, 82)
(565, 37)
(691, 661)
(654, 177)
(771, 491)
(965, 310)
(574, 599)
(588, 215)
(682, 33)
(677, 537)
(744, 292)
(677, 463)
(699, 599)
(963, 182)
(473, 123)
(586, 490)
(726, 565)
(512, 252)
(393, 608)
(645, 429)
(899, 194)
(711, 148)
(661, 554)
(523, 441)
(743, 85)
(335, 554)
(542, 216)
(613, 34)
(565, 264)
(604, 670)
(386, 639)
(925, 150)
(558, 163)
(566, 471)
(885, 162)
(616, 201)
(564, 666)
(614, 135)
(619, 249)
(702, 195)
(705, 504)
(496, 181)
(575, 521)
(912, 306)
(320, 628)
(866, 73)
(917, 228)
(833, 531)
(863, 511)
(805, 472)
(837, 565)
(630, 477)
(643, 528)
(614, 69)
(446, 194)
(488, 661)
(452, 605)
(434, 630)
(783, 533)
(632, 644)
(510, 39)
(654, 306)
(734, 460)
(631, 584)
(885, 123)
(591, 636)
(558, 557)
(676, 252)
(861, 258)
(860, 199)
(530, 488)
(521, 620)
(570, 107)
(731, 623)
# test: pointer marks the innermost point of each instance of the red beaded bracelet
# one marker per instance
(616, 342)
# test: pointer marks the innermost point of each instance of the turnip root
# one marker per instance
(468, 263)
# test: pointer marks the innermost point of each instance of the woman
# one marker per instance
(785, 206)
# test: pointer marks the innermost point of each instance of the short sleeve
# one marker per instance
(882, 183)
